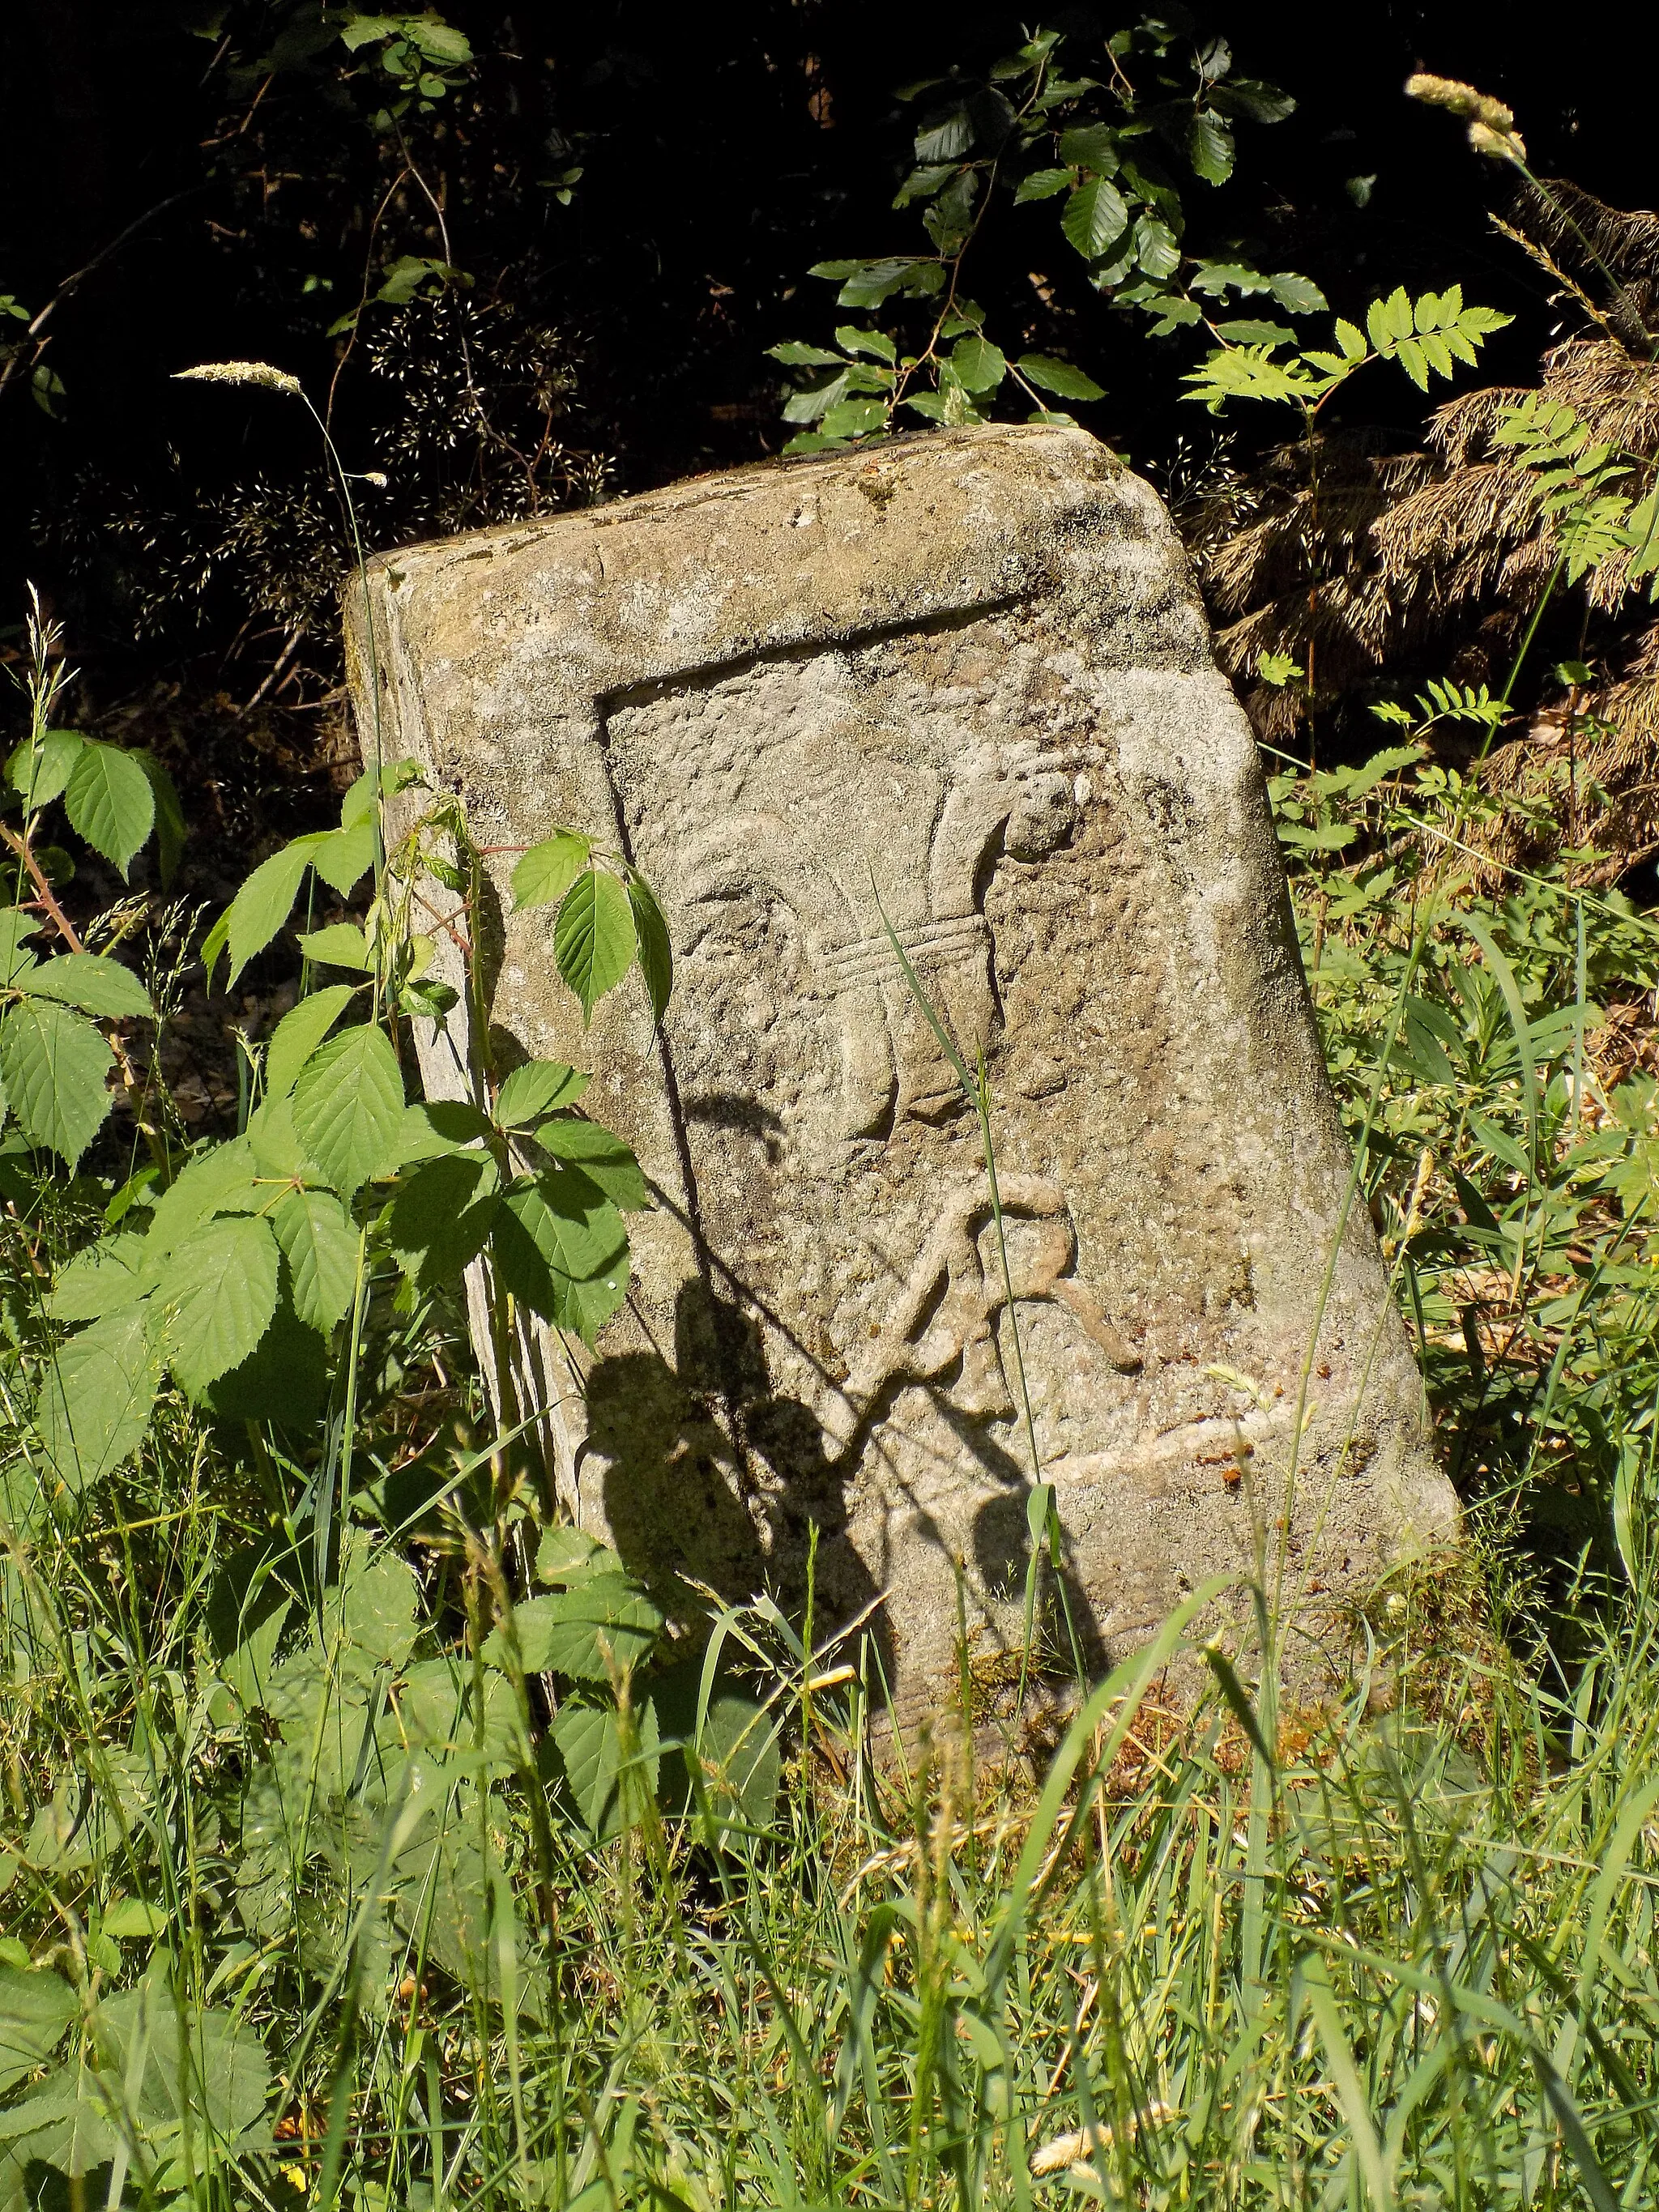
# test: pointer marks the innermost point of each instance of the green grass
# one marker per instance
(1406, 1959)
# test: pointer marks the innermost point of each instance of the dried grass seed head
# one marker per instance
(242, 372)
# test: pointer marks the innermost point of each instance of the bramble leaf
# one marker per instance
(219, 1294)
(38, 775)
(110, 801)
(298, 1035)
(55, 1068)
(342, 945)
(171, 828)
(546, 871)
(593, 939)
(444, 1210)
(343, 857)
(602, 1157)
(261, 906)
(95, 1397)
(36, 2008)
(87, 979)
(656, 953)
(600, 1622)
(539, 1087)
(101, 1280)
(221, 1179)
(321, 1245)
(611, 1794)
(349, 1106)
(560, 1246)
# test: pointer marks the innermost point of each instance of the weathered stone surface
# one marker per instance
(969, 672)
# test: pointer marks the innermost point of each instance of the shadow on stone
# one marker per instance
(712, 1477)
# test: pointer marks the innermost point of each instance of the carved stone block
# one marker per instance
(964, 679)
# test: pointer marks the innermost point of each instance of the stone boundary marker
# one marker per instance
(968, 673)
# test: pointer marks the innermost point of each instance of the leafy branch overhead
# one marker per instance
(1111, 153)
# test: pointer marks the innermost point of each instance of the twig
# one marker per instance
(80, 276)
(47, 899)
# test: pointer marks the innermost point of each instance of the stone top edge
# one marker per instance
(780, 481)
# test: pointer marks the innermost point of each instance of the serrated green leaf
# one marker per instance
(539, 1087)
(109, 802)
(218, 1295)
(546, 871)
(96, 984)
(1058, 377)
(602, 1157)
(793, 352)
(807, 406)
(980, 366)
(1157, 251)
(15, 926)
(343, 857)
(560, 1246)
(181, 2073)
(277, 1152)
(1210, 146)
(600, 1623)
(433, 1128)
(223, 1179)
(298, 1035)
(1249, 332)
(36, 2009)
(1389, 320)
(349, 1104)
(656, 953)
(1351, 339)
(593, 939)
(945, 135)
(101, 1280)
(444, 1210)
(1043, 184)
(734, 1754)
(1095, 218)
(1091, 145)
(852, 418)
(264, 903)
(38, 775)
(1297, 296)
(133, 1919)
(95, 1397)
(320, 1246)
(284, 1380)
(877, 343)
(375, 1604)
(565, 1555)
(1410, 355)
(55, 1068)
(342, 945)
(611, 1789)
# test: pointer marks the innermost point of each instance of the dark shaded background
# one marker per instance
(723, 150)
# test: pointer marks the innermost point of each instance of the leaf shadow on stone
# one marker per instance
(1002, 1553)
(729, 1109)
(713, 1476)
